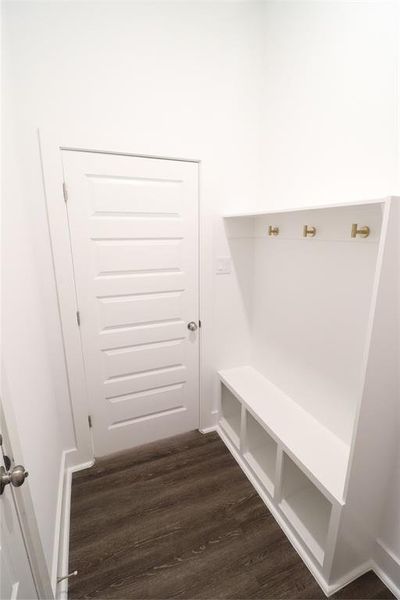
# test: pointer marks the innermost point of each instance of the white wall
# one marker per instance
(32, 353)
(179, 79)
(329, 101)
(285, 103)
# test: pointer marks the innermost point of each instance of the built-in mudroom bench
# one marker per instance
(299, 463)
(311, 417)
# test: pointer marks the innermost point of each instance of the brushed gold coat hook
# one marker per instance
(309, 231)
(362, 231)
(273, 230)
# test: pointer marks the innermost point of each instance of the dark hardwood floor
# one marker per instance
(178, 519)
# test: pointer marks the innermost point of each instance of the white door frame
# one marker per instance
(23, 499)
(50, 148)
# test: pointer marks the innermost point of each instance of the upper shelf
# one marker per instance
(323, 455)
(274, 211)
(333, 224)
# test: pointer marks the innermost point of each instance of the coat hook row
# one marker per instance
(311, 231)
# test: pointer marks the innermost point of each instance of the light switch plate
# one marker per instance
(224, 265)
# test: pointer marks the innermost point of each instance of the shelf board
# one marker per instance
(274, 211)
(323, 455)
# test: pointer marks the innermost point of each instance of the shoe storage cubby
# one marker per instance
(260, 452)
(231, 415)
(305, 507)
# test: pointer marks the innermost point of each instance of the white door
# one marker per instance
(134, 238)
(15, 571)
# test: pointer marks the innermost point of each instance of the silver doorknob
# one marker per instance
(16, 477)
(192, 326)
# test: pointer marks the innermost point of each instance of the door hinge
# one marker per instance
(78, 318)
(65, 192)
(90, 421)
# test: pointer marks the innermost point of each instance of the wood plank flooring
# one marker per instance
(178, 519)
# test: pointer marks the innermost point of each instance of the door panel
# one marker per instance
(121, 311)
(15, 572)
(109, 286)
(126, 227)
(146, 334)
(145, 381)
(124, 257)
(134, 236)
(136, 406)
(126, 361)
(142, 196)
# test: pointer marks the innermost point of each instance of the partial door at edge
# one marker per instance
(134, 238)
(15, 572)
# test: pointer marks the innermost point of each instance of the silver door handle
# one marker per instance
(16, 477)
(192, 326)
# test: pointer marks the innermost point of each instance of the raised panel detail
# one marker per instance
(149, 403)
(142, 334)
(117, 312)
(142, 358)
(136, 228)
(144, 381)
(139, 283)
(123, 256)
(135, 195)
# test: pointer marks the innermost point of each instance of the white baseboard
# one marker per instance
(59, 516)
(349, 578)
(213, 420)
(61, 554)
(387, 567)
(81, 466)
(208, 429)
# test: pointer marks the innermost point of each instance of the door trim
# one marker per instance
(50, 148)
